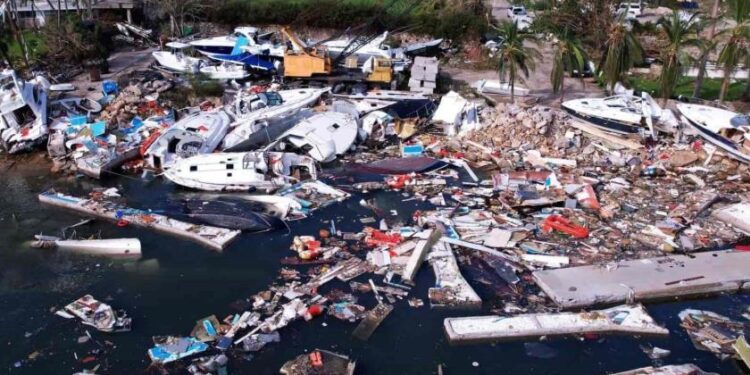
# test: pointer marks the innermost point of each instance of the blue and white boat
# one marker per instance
(727, 130)
(224, 45)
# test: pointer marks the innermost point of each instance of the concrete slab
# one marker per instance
(647, 279)
(616, 320)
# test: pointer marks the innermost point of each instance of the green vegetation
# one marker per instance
(453, 19)
(678, 34)
(515, 58)
(709, 90)
(622, 51)
(735, 50)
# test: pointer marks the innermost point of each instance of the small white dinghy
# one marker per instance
(322, 136)
(249, 109)
(176, 60)
(119, 247)
(199, 133)
(242, 171)
(730, 131)
(226, 72)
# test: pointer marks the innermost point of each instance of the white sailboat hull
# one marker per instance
(247, 124)
(121, 247)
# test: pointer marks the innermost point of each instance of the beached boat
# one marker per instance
(730, 131)
(176, 60)
(250, 61)
(96, 314)
(225, 72)
(200, 133)
(623, 114)
(250, 171)
(119, 247)
(246, 38)
(74, 106)
(493, 86)
(322, 136)
(248, 109)
(23, 112)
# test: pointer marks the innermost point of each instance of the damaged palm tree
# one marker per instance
(621, 52)
(515, 57)
(679, 34)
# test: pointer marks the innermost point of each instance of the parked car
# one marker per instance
(631, 10)
(516, 10)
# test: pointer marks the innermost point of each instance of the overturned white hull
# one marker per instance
(121, 247)
(322, 136)
(241, 171)
(248, 110)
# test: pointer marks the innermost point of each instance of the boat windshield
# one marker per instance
(741, 120)
(273, 98)
(623, 101)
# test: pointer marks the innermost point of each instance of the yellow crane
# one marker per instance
(305, 62)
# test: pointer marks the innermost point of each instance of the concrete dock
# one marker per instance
(616, 320)
(647, 279)
(212, 237)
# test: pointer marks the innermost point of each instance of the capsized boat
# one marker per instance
(199, 133)
(244, 216)
(322, 136)
(622, 114)
(730, 131)
(249, 108)
(119, 247)
(242, 171)
(23, 112)
(226, 72)
(96, 314)
(177, 60)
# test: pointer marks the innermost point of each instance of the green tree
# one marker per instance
(707, 47)
(621, 52)
(514, 56)
(678, 34)
(737, 46)
(569, 56)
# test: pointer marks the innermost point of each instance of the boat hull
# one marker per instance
(719, 141)
(122, 247)
(606, 124)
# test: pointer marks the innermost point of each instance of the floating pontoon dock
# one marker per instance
(647, 279)
(616, 320)
(213, 237)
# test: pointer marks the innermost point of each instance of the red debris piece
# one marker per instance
(561, 224)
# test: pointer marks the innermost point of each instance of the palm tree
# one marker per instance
(707, 47)
(737, 46)
(678, 33)
(514, 56)
(621, 52)
(569, 57)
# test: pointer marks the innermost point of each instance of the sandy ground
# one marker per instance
(120, 63)
(538, 81)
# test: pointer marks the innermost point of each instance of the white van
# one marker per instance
(631, 10)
